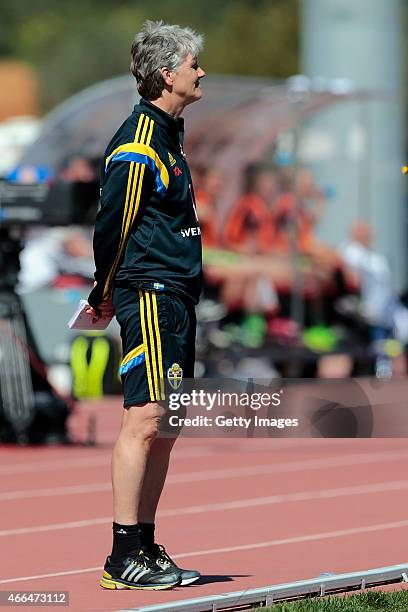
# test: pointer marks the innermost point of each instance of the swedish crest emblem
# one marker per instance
(175, 376)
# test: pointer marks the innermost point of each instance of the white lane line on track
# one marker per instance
(48, 463)
(55, 491)
(290, 466)
(51, 464)
(380, 487)
(362, 489)
(54, 575)
(188, 477)
(313, 537)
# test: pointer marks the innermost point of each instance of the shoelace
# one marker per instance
(144, 561)
(160, 553)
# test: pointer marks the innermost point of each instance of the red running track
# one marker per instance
(246, 513)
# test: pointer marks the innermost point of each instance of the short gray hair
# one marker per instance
(157, 45)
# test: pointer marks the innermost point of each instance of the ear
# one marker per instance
(167, 76)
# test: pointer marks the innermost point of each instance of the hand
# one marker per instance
(105, 310)
(95, 314)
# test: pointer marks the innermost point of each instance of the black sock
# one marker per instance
(147, 534)
(126, 540)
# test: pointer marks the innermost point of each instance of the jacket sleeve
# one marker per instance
(125, 186)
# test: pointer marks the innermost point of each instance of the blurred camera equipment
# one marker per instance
(30, 410)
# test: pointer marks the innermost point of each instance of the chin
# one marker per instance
(196, 96)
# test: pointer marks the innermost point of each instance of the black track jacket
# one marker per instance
(146, 231)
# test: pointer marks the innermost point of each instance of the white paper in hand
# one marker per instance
(82, 320)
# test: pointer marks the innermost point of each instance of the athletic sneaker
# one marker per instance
(138, 572)
(164, 561)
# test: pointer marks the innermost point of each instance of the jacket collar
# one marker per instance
(163, 118)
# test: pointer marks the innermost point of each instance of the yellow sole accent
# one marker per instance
(105, 584)
(112, 584)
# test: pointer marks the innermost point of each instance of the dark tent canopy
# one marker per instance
(236, 123)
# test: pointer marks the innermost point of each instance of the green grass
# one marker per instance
(373, 601)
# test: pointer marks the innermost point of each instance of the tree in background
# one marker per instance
(74, 44)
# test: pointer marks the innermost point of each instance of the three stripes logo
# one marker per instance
(134, 572)
(143, 135)
(149, 321)
(171, 159)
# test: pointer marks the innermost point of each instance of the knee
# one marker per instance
(142, 426)
(149, 430)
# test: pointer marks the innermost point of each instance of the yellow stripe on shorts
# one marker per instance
(145, 342)
(159, 348)
(152, 345)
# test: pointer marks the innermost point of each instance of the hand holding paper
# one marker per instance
(86, 318)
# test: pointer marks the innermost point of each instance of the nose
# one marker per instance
(201, 73)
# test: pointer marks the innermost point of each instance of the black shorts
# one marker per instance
(158, 339)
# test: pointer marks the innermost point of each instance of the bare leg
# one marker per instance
(130, 457)
(155, 476)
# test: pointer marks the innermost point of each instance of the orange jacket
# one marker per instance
(249, 224)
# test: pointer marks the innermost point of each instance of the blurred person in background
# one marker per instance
(249, 226)
(296, 211)
(52, 253)
(147, 249)
(370, 272)
(246, 287)
(77, 169)
(248, 231)
(206, 197)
